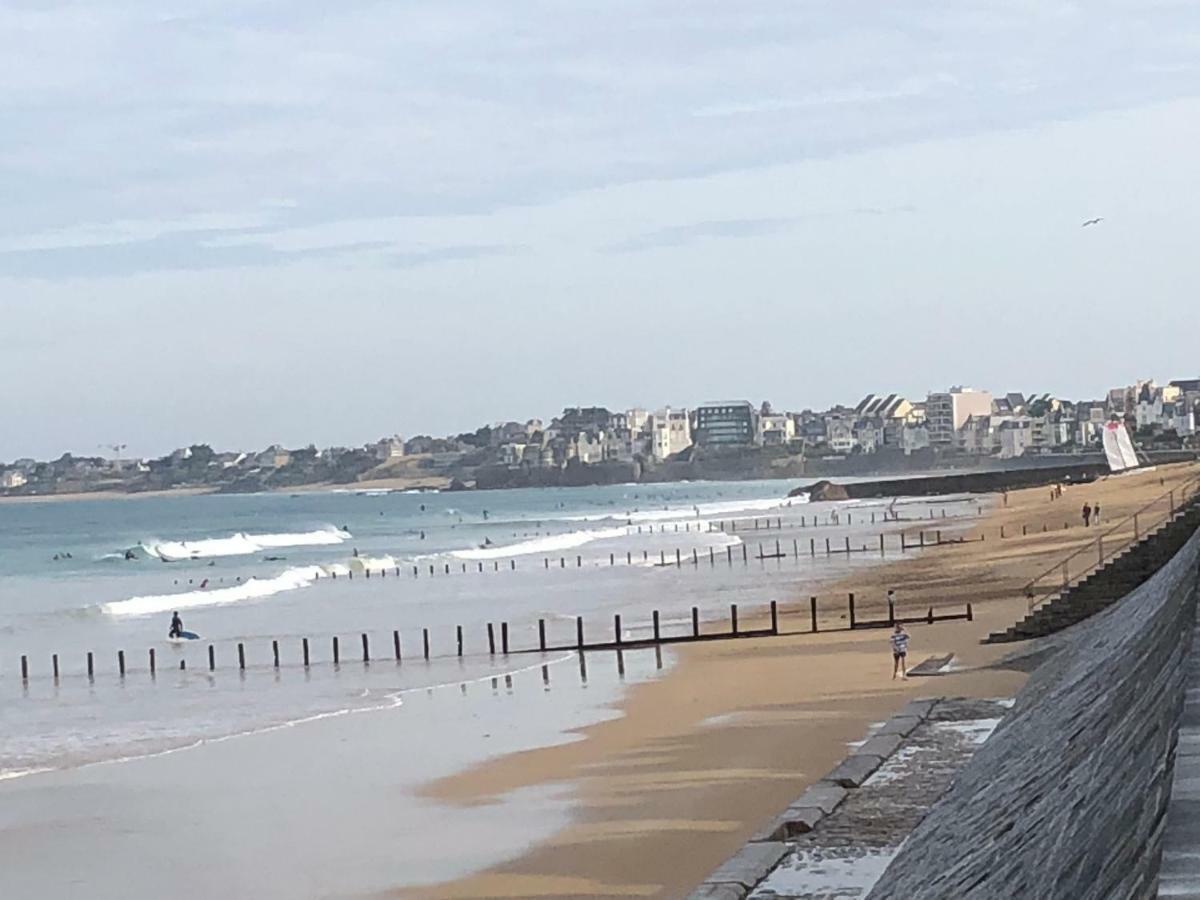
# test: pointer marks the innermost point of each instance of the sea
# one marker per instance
(89, 586)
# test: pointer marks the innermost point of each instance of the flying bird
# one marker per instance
(1095, 221)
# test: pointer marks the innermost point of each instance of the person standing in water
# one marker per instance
(176, 626)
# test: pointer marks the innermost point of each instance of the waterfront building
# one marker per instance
(728, 424)
(575, 419)
(1090, 418)
(775, 430)
(1015, 437)
(390, 448)
(13, 478)
(946, 412)
(670, 432)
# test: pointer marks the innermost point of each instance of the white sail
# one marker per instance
(1118, 448)
(1125, 443)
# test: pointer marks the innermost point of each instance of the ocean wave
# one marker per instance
(241, 544)
(360, 565)
(252, 589)
(714, 510)
(568, 540)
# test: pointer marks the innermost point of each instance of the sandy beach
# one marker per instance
(699, 760)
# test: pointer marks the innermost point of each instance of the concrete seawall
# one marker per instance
(1069, 797)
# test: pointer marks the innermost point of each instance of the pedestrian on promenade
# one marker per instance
(1096, 513)
(1087, 515)
(899, 652)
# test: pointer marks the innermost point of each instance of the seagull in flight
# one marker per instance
(1095, 221)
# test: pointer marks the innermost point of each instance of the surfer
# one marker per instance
(129, 554)
(176, 626)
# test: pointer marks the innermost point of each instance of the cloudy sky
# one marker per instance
(290, 221)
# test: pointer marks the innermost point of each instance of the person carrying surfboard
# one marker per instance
(176, 626)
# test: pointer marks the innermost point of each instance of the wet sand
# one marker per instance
(702, 758)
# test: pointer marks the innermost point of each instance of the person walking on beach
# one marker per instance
(1096, 513)
(1087, 515)
(899, 652)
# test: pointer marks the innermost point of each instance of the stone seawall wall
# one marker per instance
(1068, 799)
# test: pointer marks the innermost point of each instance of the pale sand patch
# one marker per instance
(786, 706)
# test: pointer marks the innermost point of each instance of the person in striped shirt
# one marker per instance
(899, 652)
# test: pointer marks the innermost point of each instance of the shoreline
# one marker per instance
(700, 759)
(72, 496)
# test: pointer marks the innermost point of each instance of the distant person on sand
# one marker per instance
(899, 652)
(1096, 513)
(1087, 515)
(176, 626)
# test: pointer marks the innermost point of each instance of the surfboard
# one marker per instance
(185, 636)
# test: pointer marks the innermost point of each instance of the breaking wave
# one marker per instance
(241, 544)
(566, 541)
(252, 589)
(714, 510)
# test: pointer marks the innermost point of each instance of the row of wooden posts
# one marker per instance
(619, 640)
(923, 539)
(904, 542)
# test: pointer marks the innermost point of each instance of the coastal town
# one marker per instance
(959, 427)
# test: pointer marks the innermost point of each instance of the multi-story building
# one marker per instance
(636, 419)
(727, 424)
(776, 429)
(13, 478)
(809, 427)
(978, 435)
(575, 419)
(839, 434)
(946, 412)
(670, 432)
(1178, 417)
(1015, 437)
(868, 435)
(390, 448)
(1090, 417)
(913, 438)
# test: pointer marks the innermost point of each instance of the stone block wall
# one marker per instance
(1068, 798)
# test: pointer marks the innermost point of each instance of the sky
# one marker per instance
(284, 221)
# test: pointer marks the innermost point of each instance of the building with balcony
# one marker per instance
(946, 413)
(725, 424)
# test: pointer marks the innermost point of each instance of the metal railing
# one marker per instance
(1110, 543)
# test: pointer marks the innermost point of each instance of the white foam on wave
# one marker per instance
(568, 540)
(362, 564)
(242, 544)
(252, 589)
(714, 510)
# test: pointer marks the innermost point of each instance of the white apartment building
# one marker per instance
(945, 413)
(840, 435)
(670, 432)
(14, 478)
(774, 430)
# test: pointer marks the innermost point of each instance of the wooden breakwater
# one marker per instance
(803, 618)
